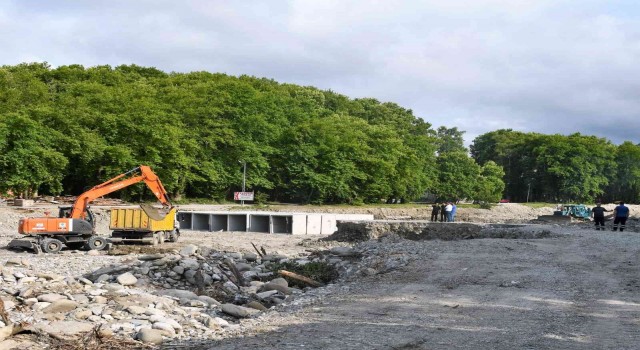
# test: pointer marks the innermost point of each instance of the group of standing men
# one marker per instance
(620, 216)
(446, 212)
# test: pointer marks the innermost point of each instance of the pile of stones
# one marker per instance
(196, 293)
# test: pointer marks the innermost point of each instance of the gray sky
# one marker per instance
(549, 66)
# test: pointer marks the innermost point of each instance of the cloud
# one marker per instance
(558, 66)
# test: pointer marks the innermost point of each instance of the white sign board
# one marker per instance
(242, 196)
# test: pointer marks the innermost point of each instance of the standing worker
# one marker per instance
(620, 215)
(443, 214)
(447, 211)
(454, 208)
(597, 213)
(435, 211)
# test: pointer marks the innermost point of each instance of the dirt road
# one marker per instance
(581, 291)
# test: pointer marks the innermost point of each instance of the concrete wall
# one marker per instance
(265, 222)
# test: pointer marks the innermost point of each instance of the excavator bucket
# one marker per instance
(153, 212)
(25, 244)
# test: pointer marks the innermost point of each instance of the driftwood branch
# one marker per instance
(295, 276)
(232, 267)
(256, 248)
(229, 276)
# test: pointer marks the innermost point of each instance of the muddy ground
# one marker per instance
(577, 290)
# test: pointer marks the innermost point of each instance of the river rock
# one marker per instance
(209, 300)
(113, 287)
(256, 305)
(150, 257)
(238, 311)
(30, 301)
(127, 279)
(251, 257)
(280, 281)
(135, 310)
(189, 264)
(64, 328)
(342, 251)
(165, 328)
(81, 298)
(85, 281)
(82, 314)
(40, 305)
(242, 267)
(28, 279)
(188, 250)
(50, 297)
(62, 305)
(274, 286)
(215, 322)
(178, 293)
(150, 336)
(273, 257)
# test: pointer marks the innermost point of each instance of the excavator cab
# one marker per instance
(65, 212)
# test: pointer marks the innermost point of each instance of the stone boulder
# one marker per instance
(238, 311)
(150, 336)
(127, 279)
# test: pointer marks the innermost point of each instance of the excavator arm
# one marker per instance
(143, 173)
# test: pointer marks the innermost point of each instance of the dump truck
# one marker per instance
(75, 226)
(143, 225)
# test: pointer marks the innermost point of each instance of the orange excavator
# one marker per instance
(75, 225)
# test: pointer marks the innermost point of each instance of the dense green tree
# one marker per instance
(450, 140)
(29, 159)
(68, 128)
(457, 176)
(490, 184)
(549, 167)
(626, 184)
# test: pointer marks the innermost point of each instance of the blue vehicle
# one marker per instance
(579, 211)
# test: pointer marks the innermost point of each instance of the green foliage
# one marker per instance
(458, 175)
(86, 125)
(489, 186)
(450, 140)
(260, 198)
(63, 130)
(626, 185)
(486, 205)
(29, 158)
(555, 168)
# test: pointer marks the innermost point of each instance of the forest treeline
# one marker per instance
(65, 129)
(558, 168)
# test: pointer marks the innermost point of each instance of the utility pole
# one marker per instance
(530, 181)
(244, 178)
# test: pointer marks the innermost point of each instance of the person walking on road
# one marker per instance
(447, 210)
(435, 212)
(597, 213)
(620, 215)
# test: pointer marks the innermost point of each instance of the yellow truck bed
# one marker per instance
(135, 219)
